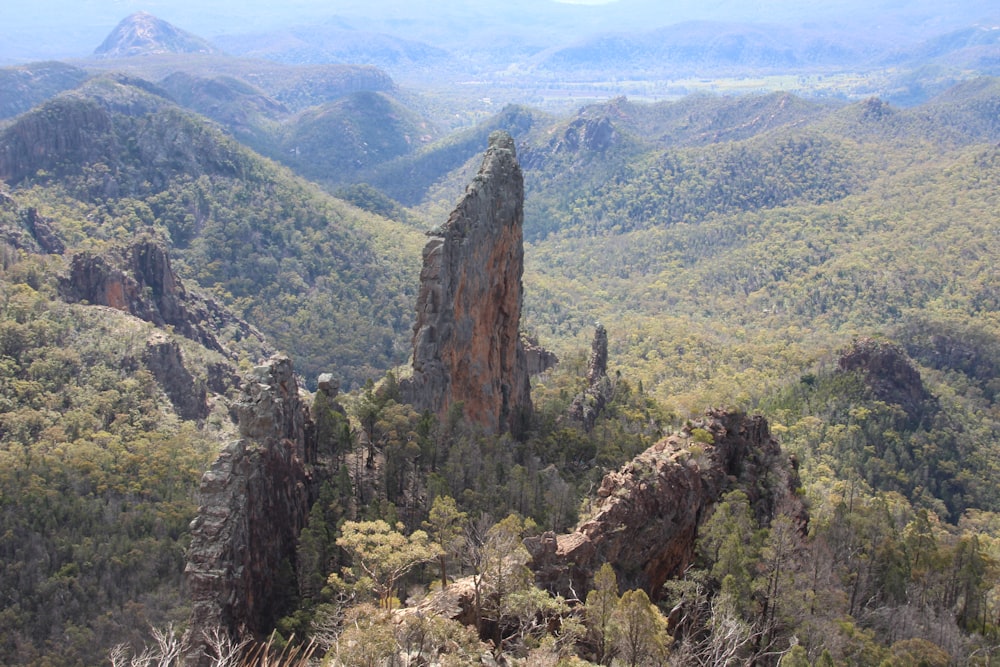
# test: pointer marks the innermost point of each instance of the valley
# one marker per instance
(769, 280)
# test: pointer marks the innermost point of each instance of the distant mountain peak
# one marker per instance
(142, 34)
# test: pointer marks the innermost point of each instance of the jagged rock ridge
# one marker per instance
(647, 514)
(140, 280)
(143, 34)
(255, 502)
(466, 343)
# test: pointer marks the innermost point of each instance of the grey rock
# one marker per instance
(255, 501)
(164, 359)
(590, 403)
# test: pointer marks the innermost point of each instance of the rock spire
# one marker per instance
(255, 502)
(590, 403)
(466, 341)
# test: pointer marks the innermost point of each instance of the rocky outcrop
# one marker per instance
(466, 342)
(139, 280)
(889, 375)
(77, 131)
(646, 516)
(591, 134)
(254, 502)
(164, 359)
(43, 234)
(590, 403)
(539, 359)
(28, 230)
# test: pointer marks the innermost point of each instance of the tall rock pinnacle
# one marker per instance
(466, 342)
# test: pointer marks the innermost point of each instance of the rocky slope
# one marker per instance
(647, 514)
(466, 342)
(140, 280)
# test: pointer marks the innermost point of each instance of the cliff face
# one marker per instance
(78, 131)
(255, 501)
(466, 344)
(164, 359)
(139, 280)
(647, 515)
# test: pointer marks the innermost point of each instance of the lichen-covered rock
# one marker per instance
(466, 342)
(647, 514)
(255, 500)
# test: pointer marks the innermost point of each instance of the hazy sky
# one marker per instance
(40, 29)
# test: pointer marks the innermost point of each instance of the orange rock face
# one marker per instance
(466, 342)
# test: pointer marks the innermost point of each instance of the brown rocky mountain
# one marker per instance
(466, 342)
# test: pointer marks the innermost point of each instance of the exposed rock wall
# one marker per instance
(889, 375)
(539, 359)
(42, 232)
(164, 359)
(140, 280)
(255, 502)
(466, 343)
(646, 518)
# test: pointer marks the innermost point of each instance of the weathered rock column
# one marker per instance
(255, 502)
(466, 341)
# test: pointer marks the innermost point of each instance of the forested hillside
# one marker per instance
(116, 158)
(829, 265)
